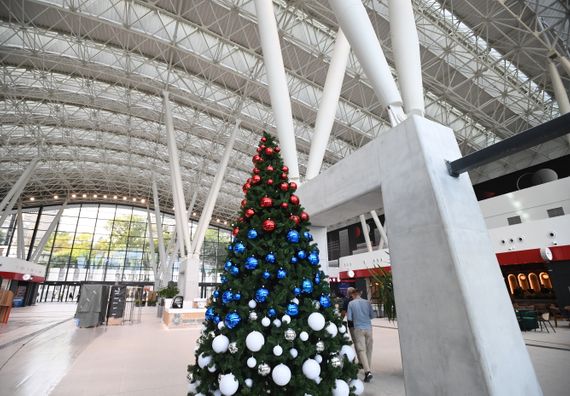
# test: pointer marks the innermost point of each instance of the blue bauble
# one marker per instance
(271, 312)
(301, 254)
(216, 319)
(293, 260)
(293, 236)
(237, 296)
(230, 248)
(281, 273)
(227, 297)
(251, 263)
(292, 309)
(325, 301)
(239, 248)
(313, 258)
(210, 313)
(228, 265)
(296, 291)
(252, 233)
(232, 320)
(307, 286)
(317, 279)
(261, 294)
(216, 293)
(223, 279)
(234, 271)
(308, 236)
(270, 258)
(266, 275)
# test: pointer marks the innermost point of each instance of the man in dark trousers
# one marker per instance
(360, 312)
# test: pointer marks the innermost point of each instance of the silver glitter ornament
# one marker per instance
(316, 304)
(290, 334)
(263, 369)
(232, 347)
(335, 361)
(253, 315)
(320, 346)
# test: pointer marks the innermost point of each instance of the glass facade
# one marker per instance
(105, 243)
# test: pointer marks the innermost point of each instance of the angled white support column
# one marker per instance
(559, 92)
(365, 232)
(51, 228)
(20, 253)
(565, 64)
(277, 84)
(383, 236)
(192, 203)
(328, 105)
(163, 258)
(356, 25)
(18, 187)
(152, 255)
(406, 48)
(193, 266)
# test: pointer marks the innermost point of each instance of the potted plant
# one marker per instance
(385, 292)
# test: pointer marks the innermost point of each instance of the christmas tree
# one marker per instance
(270, 326)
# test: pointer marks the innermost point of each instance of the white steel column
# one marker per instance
(406, 49)
(20, 232)
(559, 92)
(163, 259)
(356, 25)
(17, 188)
(277, 84)
(328, 105)
(365, 232)
(383, 236)
(38, 252)
(152, 256)
(565, 64)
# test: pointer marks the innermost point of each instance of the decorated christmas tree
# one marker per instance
(270, 326)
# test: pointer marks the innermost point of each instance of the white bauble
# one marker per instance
(295, 300)
(220, 344)
(319, 359)
(221, 325)
(342, 329)
(200, 394)
(340, 388)
(347, 351)
(311, 369)
(304, 336)
(204, 360)
(281, 374)
(316, 321)
(277, 350)
(217, 392)
(212, 369)
(358, 385)
(252, 304)
(318, 380)
(248, 382)
(293, 352)
(251, 362)
(276, 323)
(254, 341)
(265, 321)
(332, 329)
(228, 384)
(192, 387)
(286, 319)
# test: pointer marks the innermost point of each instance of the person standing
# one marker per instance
(345, 303)
(360, 312)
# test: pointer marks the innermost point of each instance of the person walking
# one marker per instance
(360, 312)
(344, 310)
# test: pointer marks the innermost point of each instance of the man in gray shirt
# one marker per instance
(360, 312)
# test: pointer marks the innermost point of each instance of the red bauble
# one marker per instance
(259, 149)
(243, 203)
(256, 171)
(266, 202)
(277, 149)
(284, 205)
(293, 186)
(285, 169)
(240, 219)
(284, 176)
(256, 158)
(304, 216)
(263, 139)
(270, 182)
(246, 187)
(235, 231)
(256, 179)
(283, 186)
(268, 225)
(294, 199)
(249, 212)
(268, 151)
(295, 219)
(269, 168)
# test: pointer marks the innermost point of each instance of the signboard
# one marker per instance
(117, 301)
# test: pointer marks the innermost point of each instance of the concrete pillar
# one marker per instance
(383, 236)
(20, 251)
(163, 258)
(457, 327)
(51, 228)
(277, 84)
(320, 238)
(328, 105)
(365, 232)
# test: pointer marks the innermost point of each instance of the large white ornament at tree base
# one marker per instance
(311, 369)
(316, 321)
(332, 329)
(281, 374)
(251, 362)
(348, 351)
(304, 336)
(358, 385)
(254, 341)
(228, 384)
(204, 360)
(341, 388)
(220, 344)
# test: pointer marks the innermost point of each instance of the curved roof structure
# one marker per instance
(82, 82)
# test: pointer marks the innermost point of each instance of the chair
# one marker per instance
(527, 319)
(544, 319)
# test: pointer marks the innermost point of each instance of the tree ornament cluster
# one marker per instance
(270, 326)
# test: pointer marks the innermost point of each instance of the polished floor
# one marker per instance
(42, 352)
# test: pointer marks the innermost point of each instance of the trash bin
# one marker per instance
(160, 307)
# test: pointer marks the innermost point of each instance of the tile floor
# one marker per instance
(148, 359)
